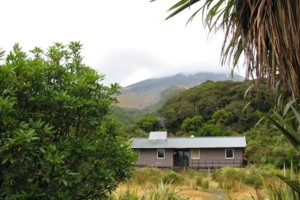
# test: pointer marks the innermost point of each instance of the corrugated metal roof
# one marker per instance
(196, 142)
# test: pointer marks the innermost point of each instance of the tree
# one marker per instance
(192, 124)
(149, 123)
(57, 139)
(267, 32)
(222, 117)
(208, 129)
(220, 102)
(266, 146)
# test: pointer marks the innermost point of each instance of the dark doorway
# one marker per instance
(181, 158)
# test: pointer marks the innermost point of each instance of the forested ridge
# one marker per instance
(222, 104)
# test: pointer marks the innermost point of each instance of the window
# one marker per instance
(229, 153)
(195, 154)
(160, 153)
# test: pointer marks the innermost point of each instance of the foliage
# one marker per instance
(220, 104)
(267, 146)
(229, 178)
(208, 129)
(127, 195)
(123, 117)
(204, 184)
(192, 124)
(172, 177)
(275, 189)
(164, 191)
(265, 31)
(222, 117)
(149, 175)
(253, 179)
(149, 122)
(287, 121)
(57, 139)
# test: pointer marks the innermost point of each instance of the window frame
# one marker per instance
(195, 158)
(157, 154)
(229, 158)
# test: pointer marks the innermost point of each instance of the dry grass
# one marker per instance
(197, 194)
(194, 184)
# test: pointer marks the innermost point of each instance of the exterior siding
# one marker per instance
(148, 157)
(209, 158)
(216, 158)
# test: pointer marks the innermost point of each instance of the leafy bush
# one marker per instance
(57, 138)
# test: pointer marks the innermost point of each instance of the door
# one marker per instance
(181, 157)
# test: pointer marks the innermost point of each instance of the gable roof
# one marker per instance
(192, 142)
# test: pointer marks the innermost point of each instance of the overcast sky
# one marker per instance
(127, 40)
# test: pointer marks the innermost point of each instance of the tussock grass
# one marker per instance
(149, 183)
(229, 178)
(163, 192)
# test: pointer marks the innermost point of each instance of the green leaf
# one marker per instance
(180, 6)
(281, 124)
(294, 184)
(287, 107)
(297, 114)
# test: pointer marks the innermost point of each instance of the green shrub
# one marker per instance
(58, 139)
(149, 175)
(172, 177)
(253, 180)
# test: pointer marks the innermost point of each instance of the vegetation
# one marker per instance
(148, 183)
(266, 146)
(265, 31)
(57, 138)
(221, 109)
(216, 108)
(149, 122)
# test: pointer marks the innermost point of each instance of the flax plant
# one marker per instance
(266, 32)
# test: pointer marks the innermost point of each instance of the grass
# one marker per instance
(253, 183)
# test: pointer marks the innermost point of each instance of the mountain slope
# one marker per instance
(149, 92)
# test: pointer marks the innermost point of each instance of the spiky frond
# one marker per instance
(265, 31)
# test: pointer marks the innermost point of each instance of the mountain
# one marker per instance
(149, 92)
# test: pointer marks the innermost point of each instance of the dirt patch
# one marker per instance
(244, 194)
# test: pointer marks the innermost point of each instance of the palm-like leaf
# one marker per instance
(285, 128)
(294, 184)
(266, 32)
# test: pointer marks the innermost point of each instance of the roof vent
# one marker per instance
(158, 136)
